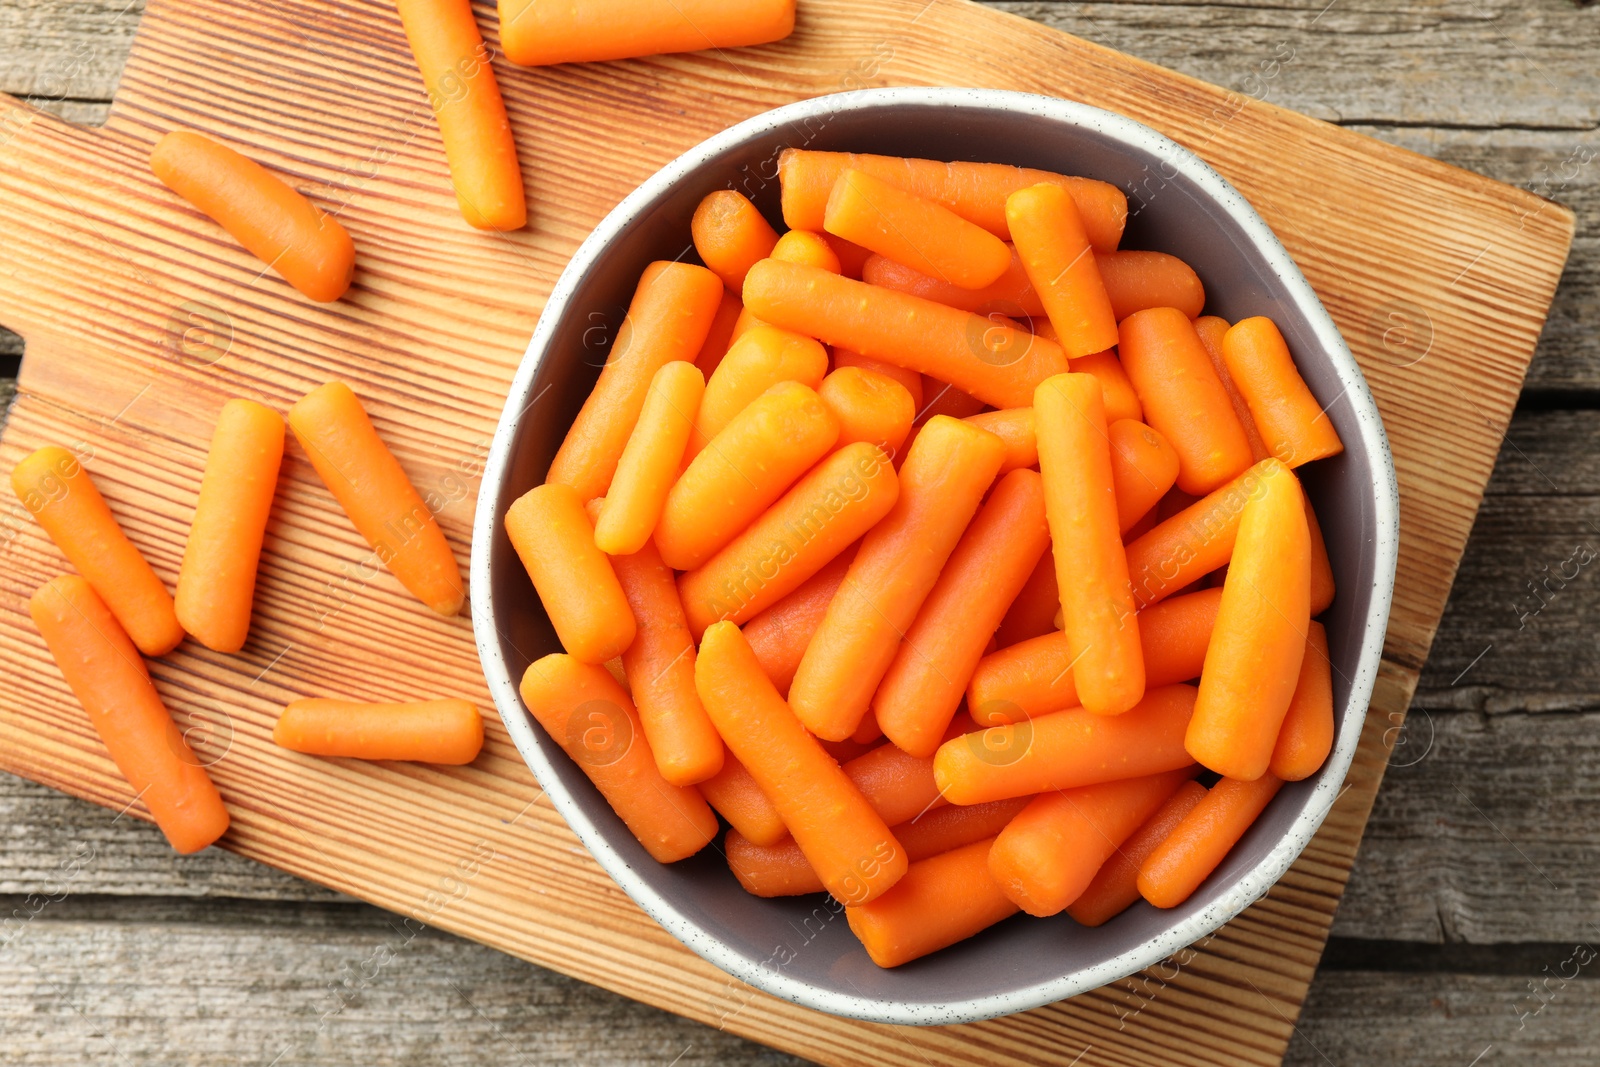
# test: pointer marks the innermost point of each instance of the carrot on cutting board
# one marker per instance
(1054, 249)
(760, 358)
(543, 32)
(779, 634)
(650, 460)
(737, 798)
(847, 843)
(217, 580)
(1294, 427)
(869, 406)
(372, 488)
(107, 675)
(671, 314)
(1211, 330)
(1177, 866)
(1115, 887)
(575, 581)
(1192, 543)
(1014, 427)
(276, 224)
(1144, 466)
(55, 489)
(720, 337)
(424, 731)
(730, 235)
(917, 232)
(940, 901)
(1138, 280)
(1306, 737)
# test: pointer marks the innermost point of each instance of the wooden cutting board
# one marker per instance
(141, 318)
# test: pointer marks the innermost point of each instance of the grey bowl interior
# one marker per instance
(801, 949)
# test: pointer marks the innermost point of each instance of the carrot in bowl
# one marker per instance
(1192, 543)
(730, 235)
(1138, 280)
(909, 379)
(1144, 466)
(940, 901)
(575, 581)
(650, 460)
(869, 406)
(737, 798)
(779, 634)
(720, 336)
(909, 229)
(758, 359)
(1054, 249)
(1115, 886)
(424, 731)
(1211, 330)
(1014, 427)
(1294, 427)
(542, 32)
(1012, 294)
(1306, 737)
(1194, 848)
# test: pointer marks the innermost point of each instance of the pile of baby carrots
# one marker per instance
(949, 554)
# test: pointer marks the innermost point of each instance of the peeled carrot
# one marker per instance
(1121, 400)
(941, 900)
(1067, 749)
(910, 380)
(1211, 330)
(1014, 427)
(669, 319)
(779, 634)
(995, 362)
(1294, 427)
(276, 224)
(466, 100)
(747, 466)
(649, 462)
(111, 681)
(942, 398)
(1046, 857)
(1138, 280)
(542, 32)
(1171, 873)
(924, 684)
(1322, 588)
(762, 357)
(795, 246)
(1143, 467)
(869, 407)
(898, 785)
(217, 581)
(1183, 397)
(950, 466)
(1192, 543)
(1034, 610)
(730, 235)
(372, 488)
(1253, 663)
(1012, 294)
(575, 581)
(836, 502)
(426, 731)
(1091, 566)
(954, 825)
(779, 869)
(1115, 887)
(57, 491)
(748, 810)
(852, 257)
(847, 843)
(975, 191)
(1306, 736)
(593, 720)
(1054, 248)
(909, 229)
(720, 337)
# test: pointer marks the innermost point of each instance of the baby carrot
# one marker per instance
(942, 398)
(541, 32)
(1170, 874)
(650, 461)
(1322, 589)
(217, 581)
(975, 191)
(57, 491)
(1034, 610)
(1306, 737)
(1054, 249)
(1294, 427)
(1067, 749)
(836, 502)
(1046, 857)
(1143, 467)
(466, 100)
(940, 901)
(1012, 294)
(744, 469)
(748, 810)
(372, 488)
(1194, 542)
(807, 249)
(998, 363)
(931, 239)
(575, 581)
(779, 869)
(106, 674)
(869, 407)
(426, 731)
(847, 843)
(909, 379)
(1211, 330)
(1091, 566)
(305, 245)
(924, 684)
(949, 468)
(1253, 663)
(669, 318)
(1183, 397)
(731, 235)
(1121, 401)
(1138, 280)
(779, 634)
(1014, 427)
(898, 785)
(953, 825)
(593, 720)
(762, 357)
(720, 337)
(851, 256)
(1115, 887)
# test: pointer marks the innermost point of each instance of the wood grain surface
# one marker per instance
(364, 343)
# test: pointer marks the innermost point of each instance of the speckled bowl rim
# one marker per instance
(1373, 442)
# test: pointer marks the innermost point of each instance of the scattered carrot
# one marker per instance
(1322, 587)
(1211, 330)
(909, 229)
(1294, 427)
(1054, 249)
(731, 236)
(1115, 887)
(1033, 612)
(760, 358)
(1136, 281)
(910, 380)
(737, 798)
(1192, 543)
(650, 460)
(1014, 427)
(426, 731)
(869, 407)
(1171, 873)
(1143, 467)
(720, 337)
(779, 634)
(1306, 736)
(542, 32)
(940, 901)
(575, 581)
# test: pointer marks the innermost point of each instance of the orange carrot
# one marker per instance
(425, 731)
(1046, 857)
(649, 462)
(1306, 737)
(1067, 749)
(1192, 543)
(998, 363)
(1171, 873)
(898, 785)
(852, 257)
(1322, 588)
(950, 826)
(466, 100)
(575, 581)
(1012, 294)
(909, 379)
(1091, 567)
(1014, 427)
(779, 635)
(1115, 886)
(720, 337)
(1121, 401)
(372, 488)
(731, 236)
(940, 901)
(779, 869)
(950, 466)
(1142, 526)
(762, 357)
(1253, 663)
(669, 319)
(106, 674)
(942, 398)
(1054, 249)
(593, 720)
(869, 407)
(1136, 281)
(807, 249)
(541, 32)
(57, 491)
(276, 224)
(834, 504)
(1294, 427)
(909, 229)
(1143, 467)
(748, 810)
(217, 581)
(1211, 330)
(924, 684)
(975, 191)
(847, 843)
(1033, 612)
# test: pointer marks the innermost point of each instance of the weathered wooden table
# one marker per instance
(1467, 935)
